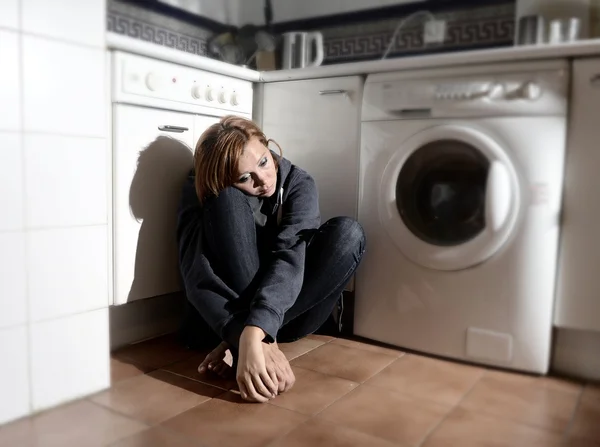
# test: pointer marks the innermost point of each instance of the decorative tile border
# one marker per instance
(140, 23)
(473, 28)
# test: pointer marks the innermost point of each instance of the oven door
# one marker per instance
(152, 155)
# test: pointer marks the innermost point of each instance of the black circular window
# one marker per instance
(440, 192)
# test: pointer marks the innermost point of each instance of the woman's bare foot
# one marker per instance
(219, 361)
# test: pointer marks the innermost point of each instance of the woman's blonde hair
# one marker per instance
(218, 151)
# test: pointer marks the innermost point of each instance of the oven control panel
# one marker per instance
(152, 82)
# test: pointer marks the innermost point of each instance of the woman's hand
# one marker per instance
(256, 383)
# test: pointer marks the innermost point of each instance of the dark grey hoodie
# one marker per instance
(289, 216)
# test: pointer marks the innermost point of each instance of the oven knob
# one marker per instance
(153, 81)
(222, 96)
(197, 92)
(529, 90)
(235, 99)
(209, 94)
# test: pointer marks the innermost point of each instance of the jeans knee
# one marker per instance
(348, 231)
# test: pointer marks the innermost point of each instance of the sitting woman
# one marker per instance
(257, 265)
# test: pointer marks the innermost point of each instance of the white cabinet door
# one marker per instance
(317, 124)
(152, 157)
(578, 292)
(201, 123)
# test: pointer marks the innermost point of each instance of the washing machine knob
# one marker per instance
(529, 90)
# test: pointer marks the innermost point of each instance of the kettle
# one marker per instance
(302, 49)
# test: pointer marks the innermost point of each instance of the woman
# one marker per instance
(256, 263)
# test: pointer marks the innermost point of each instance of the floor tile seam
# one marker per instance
(220, 388)
(569, 426)
(451, 409)
(163, 428)
(120, 413)
(341, 425)
(147, 423)
(402, 353)
(154, 368)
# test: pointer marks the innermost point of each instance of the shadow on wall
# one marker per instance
(154, 196)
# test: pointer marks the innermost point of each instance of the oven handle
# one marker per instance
(177, 129)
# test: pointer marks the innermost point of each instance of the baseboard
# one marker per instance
(142, 319)
(576, 354)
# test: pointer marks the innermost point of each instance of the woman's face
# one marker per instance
(257, 175)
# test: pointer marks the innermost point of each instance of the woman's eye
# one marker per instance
(263, 162)
(243, 179)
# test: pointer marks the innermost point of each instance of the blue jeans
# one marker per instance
(236, 248)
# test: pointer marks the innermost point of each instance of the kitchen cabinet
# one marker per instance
(578, 287)
(317, 124)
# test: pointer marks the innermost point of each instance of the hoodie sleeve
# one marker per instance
(283, 278)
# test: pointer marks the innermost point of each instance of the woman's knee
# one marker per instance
(347, 230)
(230, 198)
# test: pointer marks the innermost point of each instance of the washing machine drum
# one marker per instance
(450, 197)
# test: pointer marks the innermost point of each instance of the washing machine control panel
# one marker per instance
(529, 91)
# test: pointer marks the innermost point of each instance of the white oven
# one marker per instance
(159, 110)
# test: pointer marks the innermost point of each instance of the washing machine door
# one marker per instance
(450, 198)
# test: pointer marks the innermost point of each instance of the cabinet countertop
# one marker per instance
(581, 48)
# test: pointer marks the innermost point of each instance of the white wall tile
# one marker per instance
(13, 291)
(11, 182)
(251, 12)
(14, 376)
(67, 271)
(63, 88)
(9, 13)
(75, 20)
(66, 180)
(69, 358)
(10, 81)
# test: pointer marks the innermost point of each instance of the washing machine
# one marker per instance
(461, 173)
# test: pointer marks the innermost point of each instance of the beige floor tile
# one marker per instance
(227, 421)
(324, 434)
(157, 437)
(352, 364)
(386, 414)
(467, 429)
(300, 347)
(323, 338)
(123, 369)
(313, 391)
(154, 353)
(540, 402)
(367, 347)
(155, 397)
(586, 423)
(442, 381)
(580, 442)
(77, 424)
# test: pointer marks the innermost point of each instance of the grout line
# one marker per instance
(28, 229)
(26, 243)
(456, 405)
(62, 40)
(60, 134)
(569, 425)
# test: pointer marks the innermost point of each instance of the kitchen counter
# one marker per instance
(507, 54)
(116, 41)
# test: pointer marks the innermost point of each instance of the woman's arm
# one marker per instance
(282, 280)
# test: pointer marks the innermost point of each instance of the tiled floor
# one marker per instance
(347, 394)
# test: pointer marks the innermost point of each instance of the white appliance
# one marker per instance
(461, 173)
(159, 111)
